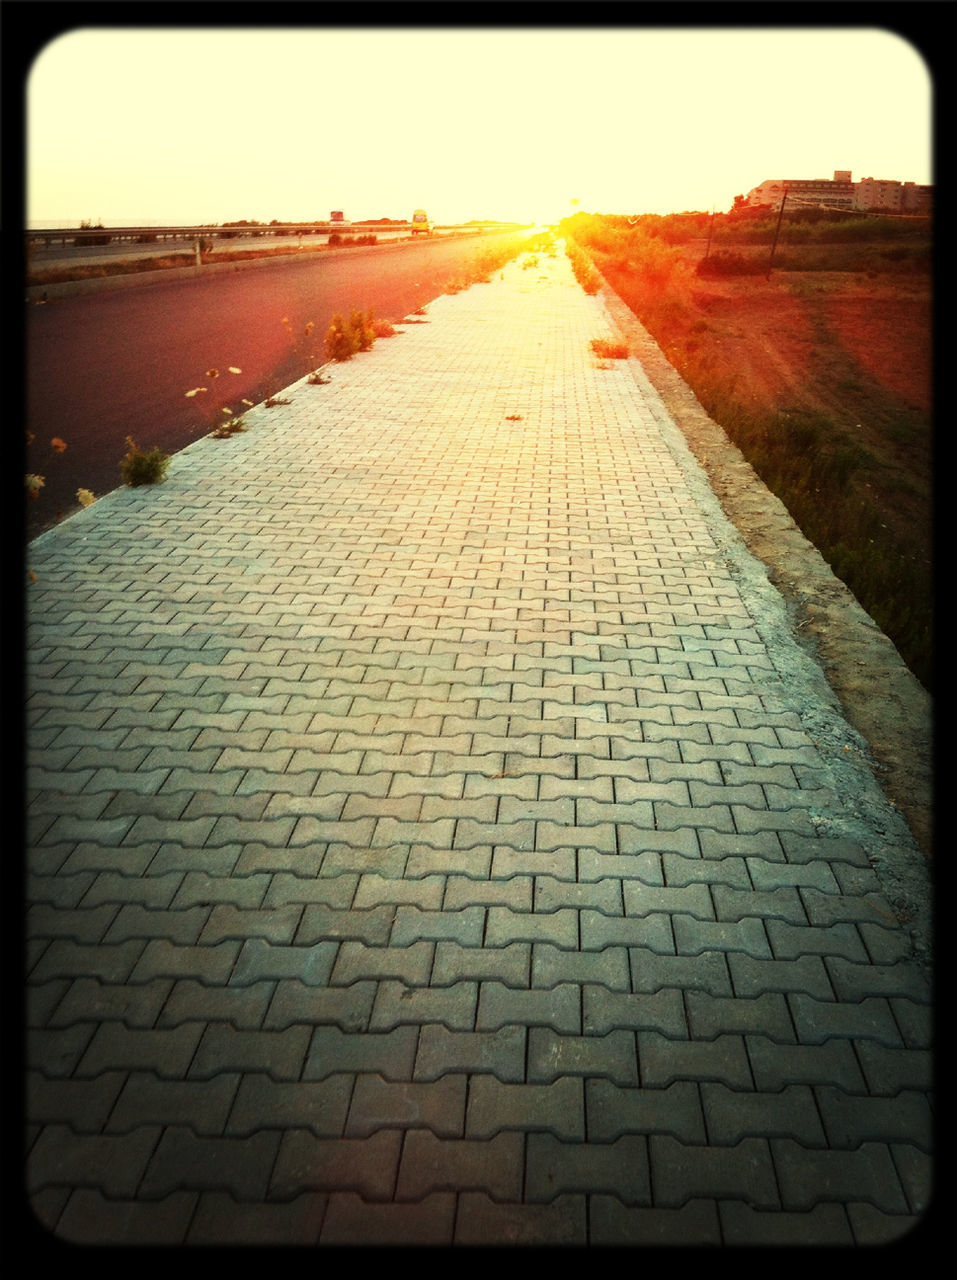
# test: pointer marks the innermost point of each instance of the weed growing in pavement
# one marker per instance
(141, 466)
(304, 344)
(605, 349)
(34, 481)
(484, 264)
(344, 340)
(363, 331)
(340, 341)
(230, 428)
(218, 411)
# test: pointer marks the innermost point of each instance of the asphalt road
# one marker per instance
(110, 364)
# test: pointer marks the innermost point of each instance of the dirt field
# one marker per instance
(857, 348)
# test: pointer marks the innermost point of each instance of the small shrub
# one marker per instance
(339, 340)
(730, 264)
(585, 273)
(363, 333)
(95, 234)
(143, 466)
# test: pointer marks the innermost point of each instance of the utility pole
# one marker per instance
(710, 229)
(777, 229)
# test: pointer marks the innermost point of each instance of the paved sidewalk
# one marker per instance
(435, 835)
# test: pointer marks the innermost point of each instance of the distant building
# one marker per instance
(841, 192)
(894, 197)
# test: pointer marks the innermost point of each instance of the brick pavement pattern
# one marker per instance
(423, 847)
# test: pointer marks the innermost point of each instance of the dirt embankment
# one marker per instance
(861, 349)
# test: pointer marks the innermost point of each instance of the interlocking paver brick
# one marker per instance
(349, 1218)
(614, 1110)
(298, 1002)
(850, 1120)
(431, 1163)
(147, 1099)
(398, 1005)
(556, 1108)
(305, 1162)
(64, 958)
(808, 1177)
(242, 1007)
(263, 1103)
(91, 1218)
(695, 1223)
(480, 1219)
(616, 1168)
(818, 1020)
(225, 1048)
(217, 1220)
(185, 1160)
(441, 855)
(505, 926)
(826, 1225)
(768, 1014)
(888, 1071)
(112, 1163)
(857, 981)
(778, 1065)
(651, 971)
(84, 1106)
(153, 891)
(438, 1105)
(693, 936)
(734, 1113)
(680, 1172)
(510, 964)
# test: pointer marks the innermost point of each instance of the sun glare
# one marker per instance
(500, 125)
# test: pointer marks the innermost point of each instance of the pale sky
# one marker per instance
(176, 126)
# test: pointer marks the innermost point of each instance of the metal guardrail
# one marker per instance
(66, 235)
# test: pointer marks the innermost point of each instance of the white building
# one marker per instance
(841, 192)
(832, 193)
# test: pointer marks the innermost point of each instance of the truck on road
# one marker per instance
(421, 223)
